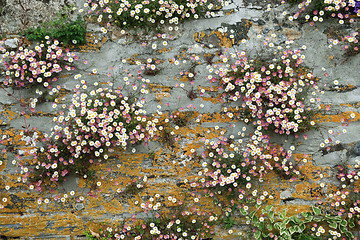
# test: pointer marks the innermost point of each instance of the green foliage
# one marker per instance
(61, 28)
(272, 224)
(89, 236)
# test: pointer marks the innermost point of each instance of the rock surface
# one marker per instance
(195, 46)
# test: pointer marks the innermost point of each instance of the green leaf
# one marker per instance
(271, 217)
(252, 214)
(316, 210)
(294, 219)
(343, 223)
(283, 214)
(255, 219)
(292, 230)
(268, 208)
(243, 211)
(297, 229)
(269, 227)
(351, 224)
(333, 225)
(282, 226)
(302, 227)
(349, 235)
(257, 234)
(277, 225)
(265, 235)
(305, 214)
(309, 218)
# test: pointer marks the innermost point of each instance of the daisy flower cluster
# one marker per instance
(271, 94)
(127, 14)
(229, 169)
(182, 222)
(36, 66)
(96, 123)
(151, 69)
(344, 11)
(352, 46)
(103, 119)
(346, 201)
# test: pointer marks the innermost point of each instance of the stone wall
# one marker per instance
(170, 169)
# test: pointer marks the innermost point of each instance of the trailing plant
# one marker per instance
(273, 94)
(345, 202)
(96, 123)
(173, 220)
(353, 48)
(309, 225)
(230, 171)
(37, 66)
(318, 10)
(150, 14)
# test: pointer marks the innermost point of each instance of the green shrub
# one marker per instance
(61, 28)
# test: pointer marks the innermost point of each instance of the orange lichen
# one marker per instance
(345, 116)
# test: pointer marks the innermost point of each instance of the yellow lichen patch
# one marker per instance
(184, 78)
(309, 170)
(213, 100)
(339, 118)
(28, 226)
(160, 95)
(10, 114)
(64, 75)
(3, 161)
(215, 117)
(93, 43)
(215, 37)
(157, 88)
(11, 137)
(164, 50)
(308, 191)
(292, 209)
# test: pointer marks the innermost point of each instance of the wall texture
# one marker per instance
(25, 213)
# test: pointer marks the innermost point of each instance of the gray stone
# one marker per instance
(330, 159)
(12, 42)
(79, 206)
(285, 194)
(357, 149)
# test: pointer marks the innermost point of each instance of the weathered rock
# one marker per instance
(356, 149)
(79, 206)
(285, 194)
(12, 42)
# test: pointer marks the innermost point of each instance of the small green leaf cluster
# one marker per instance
(61, 28)
(310, 225)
